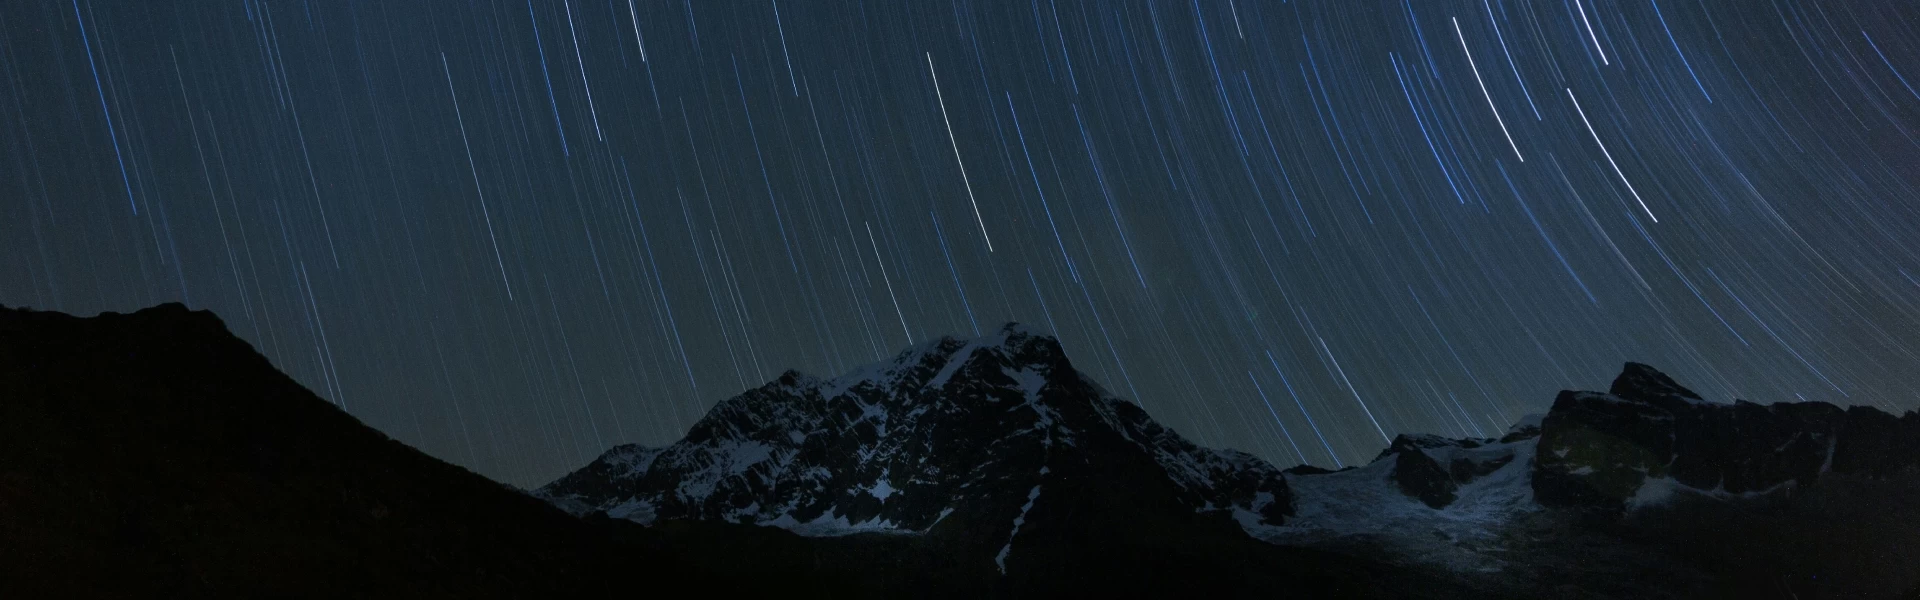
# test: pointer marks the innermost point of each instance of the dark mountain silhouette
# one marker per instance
(156, 455)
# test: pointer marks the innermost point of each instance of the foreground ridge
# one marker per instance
(154, 454)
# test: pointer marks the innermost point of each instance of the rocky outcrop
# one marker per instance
(1647, 436)
(1431, 468)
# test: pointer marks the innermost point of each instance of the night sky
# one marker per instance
(514, 234)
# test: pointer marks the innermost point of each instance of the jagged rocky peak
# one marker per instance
(919, 375)
(1432, 468)
(1647, 384)
(1648, 438)
(982, 425)
(602, 477)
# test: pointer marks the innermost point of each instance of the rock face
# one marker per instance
(1430, 468)
(1648, 436)
(988, 426)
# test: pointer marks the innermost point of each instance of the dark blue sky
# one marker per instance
(516, 233)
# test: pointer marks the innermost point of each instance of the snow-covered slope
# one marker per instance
(1393, 505)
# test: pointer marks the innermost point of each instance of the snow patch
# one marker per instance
(831, 524)
(1000, 559)
(1657, 491)
(881, 488)
(1654, 491)
(959, 358)
(943, 516)
(633, 509)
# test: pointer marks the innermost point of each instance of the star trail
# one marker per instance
(516, 232)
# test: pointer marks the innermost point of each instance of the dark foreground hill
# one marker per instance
(155, 455)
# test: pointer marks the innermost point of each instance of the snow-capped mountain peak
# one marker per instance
(981, 426)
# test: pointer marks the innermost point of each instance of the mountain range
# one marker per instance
(156, 454)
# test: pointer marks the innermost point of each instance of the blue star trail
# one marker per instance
(1210, 203)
